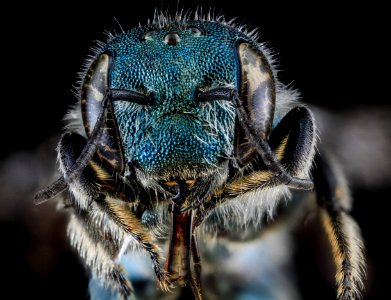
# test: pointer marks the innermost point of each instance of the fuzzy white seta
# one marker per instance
(93, 253)
(249, 209)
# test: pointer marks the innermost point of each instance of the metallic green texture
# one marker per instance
(176, 135)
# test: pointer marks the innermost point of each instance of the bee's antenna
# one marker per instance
(87, 153)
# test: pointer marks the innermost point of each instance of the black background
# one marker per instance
(336, 57)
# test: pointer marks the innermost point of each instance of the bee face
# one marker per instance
(175, 135)
(166, 108)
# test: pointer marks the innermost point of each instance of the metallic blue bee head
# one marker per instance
(172, 114)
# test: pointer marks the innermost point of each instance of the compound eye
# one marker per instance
(151, 35)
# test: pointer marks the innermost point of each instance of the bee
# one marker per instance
(183, 140)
